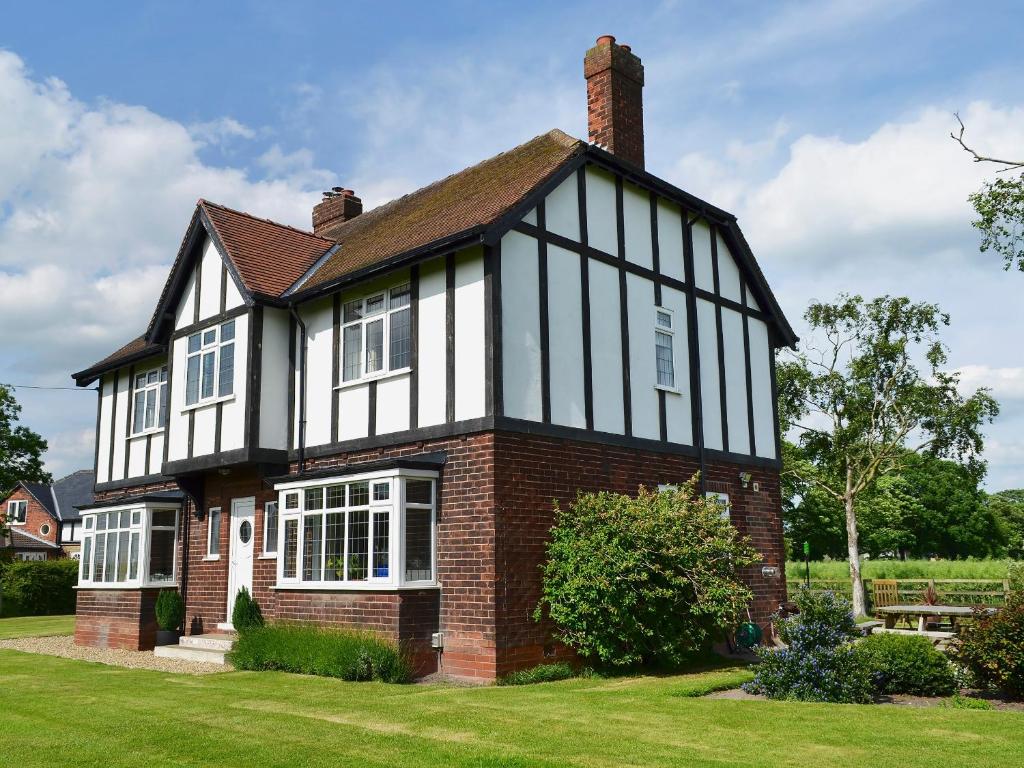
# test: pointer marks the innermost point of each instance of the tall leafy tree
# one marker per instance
(865, 389)
(21, 449)
(1008, 508)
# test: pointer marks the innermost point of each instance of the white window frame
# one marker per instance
(140, 521)
(669, 331)
(268, 554)
(394, 505)
(385, 315)
(161, 390)
(210, 513)
(216, 348)
(722, 499)
(12, 516)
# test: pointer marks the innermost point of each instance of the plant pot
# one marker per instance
(167, 636)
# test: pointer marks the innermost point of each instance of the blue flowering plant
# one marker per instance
(818, 662)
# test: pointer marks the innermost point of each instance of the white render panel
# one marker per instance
(636, 220)
(642, 369)
(606, 347)
(185, 310)
(711, 399)
(735, 381)
(432, 344)
(103, 435)
(393, 404)
(531, 217)
(232, 297)
(319, 319)
(678, 418)
(354, 406)
(670, 240)
(751, 301)
(520, 327)
(156, 454)
(470, 346)
(274, 380)
(203, 439)
(212, 266)
(121, 423)
(232, 429)
(761, 389)
(562, 209)
(728, 273)
(565, 338)
(703, 271)
(177, 420)
(602, 230)
(137, 456)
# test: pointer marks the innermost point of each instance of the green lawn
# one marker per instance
(118, 717)
(36, 626)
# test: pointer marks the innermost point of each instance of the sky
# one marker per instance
(824, 126)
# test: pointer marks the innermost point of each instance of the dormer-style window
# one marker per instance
(663, 348)
(377, 334)
(210, 369)
(16, 511)
(150, 400)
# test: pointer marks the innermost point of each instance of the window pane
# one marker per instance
(161, 415)
(164, 517)
(311, 547)
(86, 558)
(88, 523)
(227, 331)
(419, 492)
(417, 545)
(291, 546)
(381, 491)
(161, 555)
(122, 556)
(137, 416)
(270, 527)
(125, 517)
(163, 373)
(194, 343)
(358, 544)
(353, 310)
(136, 516)
(400, 296)
(291, 501)
(334, 547)
(101, 522)
(209, 360)
(209, 336)
(374, 346)
(140, 381)
(374, 305)
(192, 381)
(314, 498)
(358, 494)
(401, 339)
(133, 560)
(213, 533)
(110, 562)
(150, 408)
(663, 353)
(151, 377)
(664, 319)
(226, 382)
(99, 557)
(353, 351)
(380, 545)
(335, 496)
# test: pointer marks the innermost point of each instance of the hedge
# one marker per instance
(39, 587)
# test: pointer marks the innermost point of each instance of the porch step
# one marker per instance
(209, 649)
(219, 641)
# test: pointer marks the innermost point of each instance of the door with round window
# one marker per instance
(240, 555)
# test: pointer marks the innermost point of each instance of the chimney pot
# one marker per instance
(338, 206)
(615, 114)
(606, 40)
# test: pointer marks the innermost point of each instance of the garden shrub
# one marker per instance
(820, 662)
(246, 614)
(170, 610)
(1015, 575)
(966, 702)
(991, 647)
(39, 587)
(650, 579)
(907, 664)
(307, 650)
(542, 673)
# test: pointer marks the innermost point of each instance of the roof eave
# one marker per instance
(89, 375)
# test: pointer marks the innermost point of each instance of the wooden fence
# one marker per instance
(950, 591)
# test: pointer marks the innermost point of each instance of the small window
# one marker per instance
(291, 501)
(210, 364)
(663, 348)
(381, 491)
(377, 336)
(722, 499)
(44, 529)
(17, 511)
(150, 403)
(270, 528)
(213, 533)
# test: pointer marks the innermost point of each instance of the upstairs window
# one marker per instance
(377, 334)
(210, 369)
(663, 348)
(16, 511)
(150, 400)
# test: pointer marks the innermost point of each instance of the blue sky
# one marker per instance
(822, 125)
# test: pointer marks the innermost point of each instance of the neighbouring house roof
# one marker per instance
(41, 493)
(72, 492)
(19, 539)
(136, 349)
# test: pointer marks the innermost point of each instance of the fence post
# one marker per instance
(1006, 589)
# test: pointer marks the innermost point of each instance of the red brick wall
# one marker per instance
(116, 618)
(36, 516)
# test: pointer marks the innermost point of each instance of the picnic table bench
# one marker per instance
(955, 613)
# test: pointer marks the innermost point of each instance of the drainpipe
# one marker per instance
(302, 387)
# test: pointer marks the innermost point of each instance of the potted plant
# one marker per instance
(170, 611)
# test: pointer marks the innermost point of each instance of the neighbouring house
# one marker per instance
(42, 519)
(366, 424)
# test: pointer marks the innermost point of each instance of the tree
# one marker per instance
(859, 402)
(1008, 508)
(21, 449)
(1000, 207)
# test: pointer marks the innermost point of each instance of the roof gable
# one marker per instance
(72, 492)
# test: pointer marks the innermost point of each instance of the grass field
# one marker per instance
(129, 717)
(904, 569)
(36, 626)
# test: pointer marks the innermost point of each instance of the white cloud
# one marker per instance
(1005, 383)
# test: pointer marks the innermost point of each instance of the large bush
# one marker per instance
(650, 579)
(820, 662)
(319, 651)
(170, 610)
(39, 587)
(992, 648)
(907, 664)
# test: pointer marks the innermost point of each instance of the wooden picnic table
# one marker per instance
(890, 613)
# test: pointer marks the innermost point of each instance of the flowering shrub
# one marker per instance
(992, 648)
(820, 663)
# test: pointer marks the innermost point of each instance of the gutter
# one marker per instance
(293, 311)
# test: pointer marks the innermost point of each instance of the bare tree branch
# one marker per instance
(959, 139)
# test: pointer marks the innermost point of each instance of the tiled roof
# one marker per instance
(41, 492)
(19, 539)
(136, 349)
(269, 257)
(73, 491)
(474, 197)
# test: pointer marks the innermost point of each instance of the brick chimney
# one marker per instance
(338, 206)
(615, 111)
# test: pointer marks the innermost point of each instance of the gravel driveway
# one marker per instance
(65, 646)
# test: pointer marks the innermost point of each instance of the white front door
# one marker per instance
(243, 537)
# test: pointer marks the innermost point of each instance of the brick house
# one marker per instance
(42, 519)
(366, 424)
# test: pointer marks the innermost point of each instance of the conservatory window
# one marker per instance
(377, 334)
(129, 547)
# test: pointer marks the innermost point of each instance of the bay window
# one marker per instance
(377, 334)
(131, 546)
(358, 532)
(150, 400)
(210, 364)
